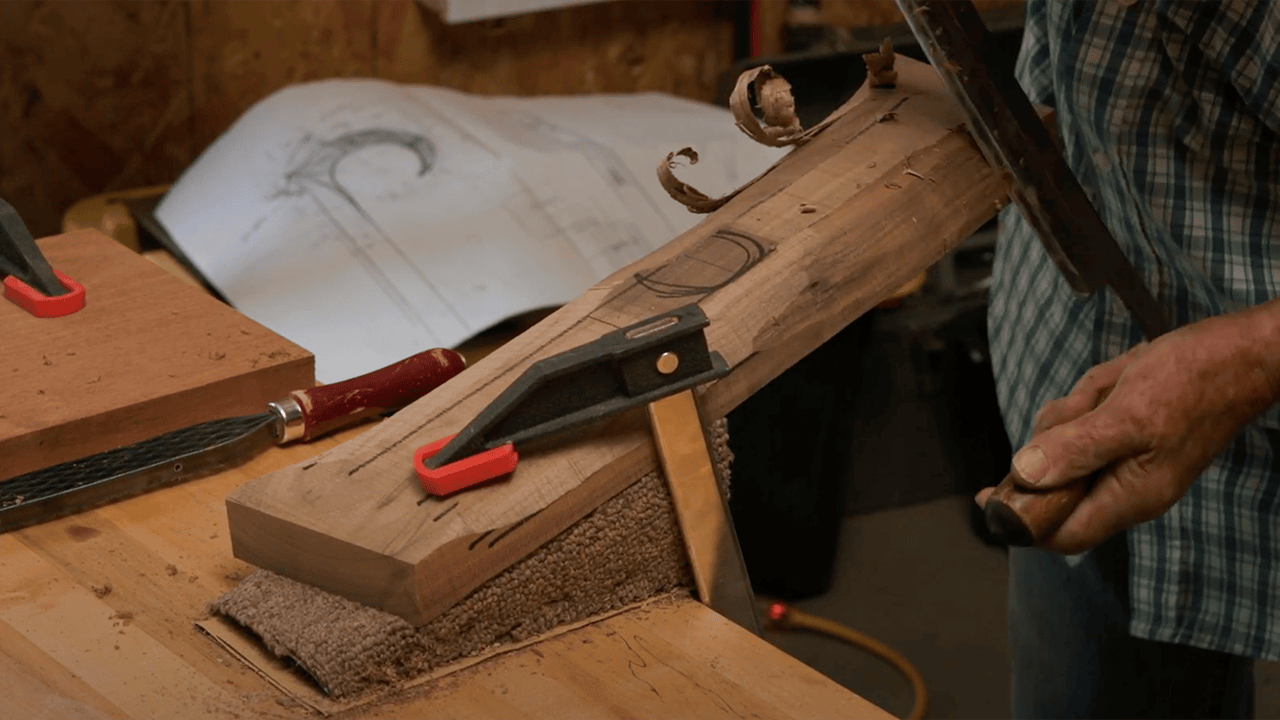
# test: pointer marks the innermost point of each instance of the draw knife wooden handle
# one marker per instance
(1023, 517)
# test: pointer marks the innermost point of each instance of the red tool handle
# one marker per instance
(329, 407)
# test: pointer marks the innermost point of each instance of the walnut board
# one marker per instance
(147, 354)
(836, 226)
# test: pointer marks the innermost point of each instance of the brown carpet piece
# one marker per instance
(628, 549)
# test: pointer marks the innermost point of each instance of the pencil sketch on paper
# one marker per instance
(316, 175)
(375, 220)
(610, 240)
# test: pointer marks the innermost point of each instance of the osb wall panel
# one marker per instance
(872, 13)
(102, 96)
(773, 15)
(92, 95)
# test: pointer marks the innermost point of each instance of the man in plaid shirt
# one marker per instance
(1158, 592)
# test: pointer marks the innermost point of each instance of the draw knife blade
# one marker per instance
(1013, 138)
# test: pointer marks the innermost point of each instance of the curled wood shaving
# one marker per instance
(776, 125)
(880, 72)
(781, 125)
(685, 194)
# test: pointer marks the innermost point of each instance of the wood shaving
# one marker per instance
(685, 194)
(880, 72)
(759, 90)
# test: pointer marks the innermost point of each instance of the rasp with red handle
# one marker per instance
(216, 445)
(1013, 139)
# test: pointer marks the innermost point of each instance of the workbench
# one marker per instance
(98, 612)
(98, 616)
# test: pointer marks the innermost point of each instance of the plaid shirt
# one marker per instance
(1170, 117)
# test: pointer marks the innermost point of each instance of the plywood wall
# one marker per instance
(101, 96)
(772, 17)
(872, 13)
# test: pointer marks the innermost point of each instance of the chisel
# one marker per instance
(216, 445)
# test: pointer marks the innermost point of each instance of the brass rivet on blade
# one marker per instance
(668, 362)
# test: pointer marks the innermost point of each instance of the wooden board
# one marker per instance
(146, 355)
(837, 226)
(98, 614)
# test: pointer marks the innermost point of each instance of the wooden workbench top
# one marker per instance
(98, 613)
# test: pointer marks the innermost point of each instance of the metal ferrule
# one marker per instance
(289, 421)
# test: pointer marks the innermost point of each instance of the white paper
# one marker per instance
(367, 221)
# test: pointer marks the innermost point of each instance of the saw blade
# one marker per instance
(163, 460)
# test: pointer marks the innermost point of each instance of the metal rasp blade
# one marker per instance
(167, 459)
(207, 448)
(1013, 138)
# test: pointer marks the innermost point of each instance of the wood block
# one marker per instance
(146, 355)
(836, 226)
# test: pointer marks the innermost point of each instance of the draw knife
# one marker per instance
(1013, 139)
(209, 447)
(654, 363)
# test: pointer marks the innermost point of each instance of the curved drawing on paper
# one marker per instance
(320, 166)
(316, 175)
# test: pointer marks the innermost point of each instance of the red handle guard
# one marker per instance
(328, 407)
(41, 305)
(464, 473)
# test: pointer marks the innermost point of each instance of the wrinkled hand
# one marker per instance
(1153, 418)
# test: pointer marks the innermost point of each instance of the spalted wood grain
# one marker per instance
(147, 354)
(837, 226)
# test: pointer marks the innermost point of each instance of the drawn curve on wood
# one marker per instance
(752, 252)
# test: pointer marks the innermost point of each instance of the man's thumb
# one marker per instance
(1071, 451)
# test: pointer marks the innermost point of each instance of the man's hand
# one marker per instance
(1153, 418)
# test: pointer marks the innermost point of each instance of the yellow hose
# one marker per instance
(785, 617)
